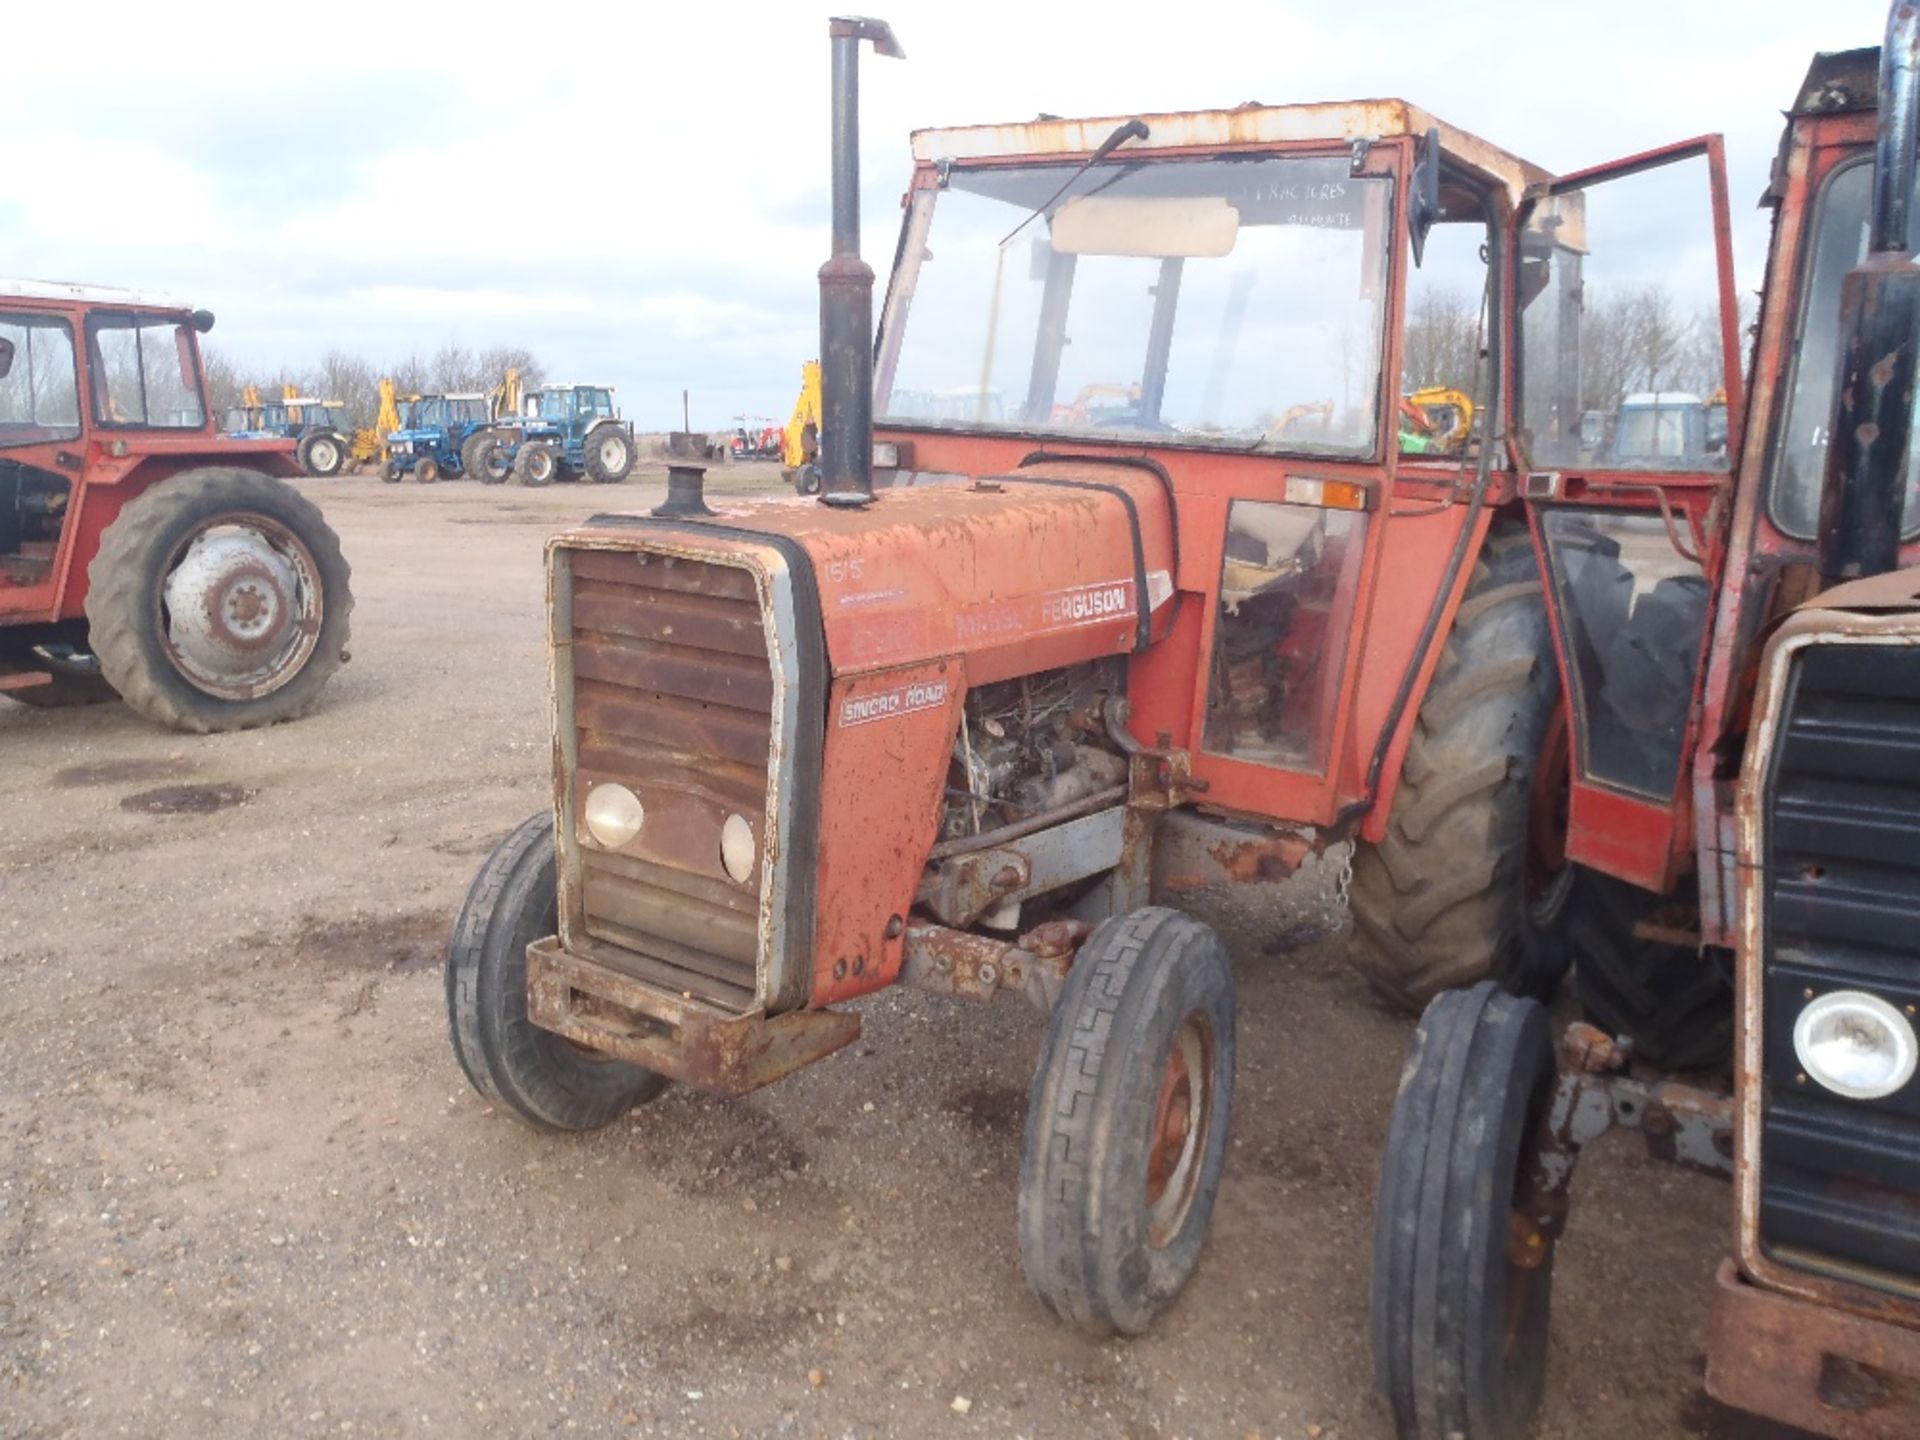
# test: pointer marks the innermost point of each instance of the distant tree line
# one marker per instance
(355, 381)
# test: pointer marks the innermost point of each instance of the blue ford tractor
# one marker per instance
(326, 440)
(567, 432)
(436, 437)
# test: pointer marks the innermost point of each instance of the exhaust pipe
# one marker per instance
(846, 284)
(1863, 493)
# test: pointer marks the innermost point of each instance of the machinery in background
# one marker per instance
(800, 441)
(317, 427)
(562, 432)
(430, 441)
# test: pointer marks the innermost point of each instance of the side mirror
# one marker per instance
(1423, 203)
(6, 358)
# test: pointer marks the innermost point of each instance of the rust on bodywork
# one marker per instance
(679, 1036)
(1840, 1375)
(978, 967)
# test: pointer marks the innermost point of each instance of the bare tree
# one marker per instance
(225, 382)
(1443, 340)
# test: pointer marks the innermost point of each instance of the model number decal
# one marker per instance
(889, 704)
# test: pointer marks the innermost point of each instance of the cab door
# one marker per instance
(1627, 406)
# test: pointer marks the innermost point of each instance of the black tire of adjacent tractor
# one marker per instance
(390, 472)
(534, 465)
(1459, 1328)
(65, 692)
(321, 453)
(1443, 900)
(542, 1078)
(1143, 1035)
(805, 480)
(606, 463)
(484, 463)
(426, 470)
(124, 614)
(1674, 1002)
(470, 454)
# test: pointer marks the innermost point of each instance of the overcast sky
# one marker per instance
(638, 192)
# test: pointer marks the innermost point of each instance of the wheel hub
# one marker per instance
(1179, 1130)
(240, 609)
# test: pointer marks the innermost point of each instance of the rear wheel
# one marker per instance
(321, 454)
(1674, 1002)
(543, 1079)
(609, 455)
(426, 470)
(534, 465)
(1472, 877)
(470, 450)
(1127, 1123)
(219, 600)
(1462, 1278)
(490, 465)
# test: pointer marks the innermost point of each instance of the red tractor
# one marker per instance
(141, 553)
(1762, 768)
(1026, 674)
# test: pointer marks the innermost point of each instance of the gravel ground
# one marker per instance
(244, 1189)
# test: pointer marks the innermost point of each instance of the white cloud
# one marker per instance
(639, 191)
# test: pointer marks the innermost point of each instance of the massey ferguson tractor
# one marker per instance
(1795, 736)
(1025, 673)
(142, 554)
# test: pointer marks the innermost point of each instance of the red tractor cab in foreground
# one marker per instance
(141, 553)
(1031, 671)
(1786, 779)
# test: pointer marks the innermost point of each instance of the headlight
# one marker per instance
(403, 447)
(614, 815)
(1855, 1044)
(737, 848)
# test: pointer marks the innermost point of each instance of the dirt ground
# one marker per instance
(244, 1189)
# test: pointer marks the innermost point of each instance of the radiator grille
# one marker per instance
(1840, 1179)
(673, 697)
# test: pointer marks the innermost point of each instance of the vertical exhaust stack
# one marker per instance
(846, 284)
(1864, 491)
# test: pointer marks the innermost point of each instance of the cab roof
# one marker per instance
(73, 294)
(1343, 121)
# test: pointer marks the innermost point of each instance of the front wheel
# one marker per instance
(609, 455)
(1462, 1276)
(543, 1079)
(390, 472)
(534, 465)
(219, 600)
(1127, 1123)
(426, 470)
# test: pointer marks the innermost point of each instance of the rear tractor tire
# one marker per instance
(1127, 1124)
(540, 1077)
(1462, 1279)
(219, 600)
(426, 470)
(1672, 1001)
(321, 454)
(484, 461)
(535, 465)
(609, 455)
(1470, 880)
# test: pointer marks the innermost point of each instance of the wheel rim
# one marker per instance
(613, 452)
(540, 466)
(1549, 876)
(240, 606)
(325, 456)
(1181, 1120)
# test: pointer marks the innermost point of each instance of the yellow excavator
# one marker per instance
(800, 443)
(1436, 420)
(370, 444)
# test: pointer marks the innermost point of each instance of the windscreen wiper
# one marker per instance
(1134, 129)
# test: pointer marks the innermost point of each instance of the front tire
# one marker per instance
(534, 1073)
(219, 600)
(1462, 1281)
(390, 472)
(321, 454)
(534, 465)
(609, 455)
(1456, 892)
(1127, 1123)
(426, 470)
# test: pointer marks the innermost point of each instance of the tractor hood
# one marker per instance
(1015, 573)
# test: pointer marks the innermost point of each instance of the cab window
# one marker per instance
(1443, 375)
(39, 401)
(144, 373)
